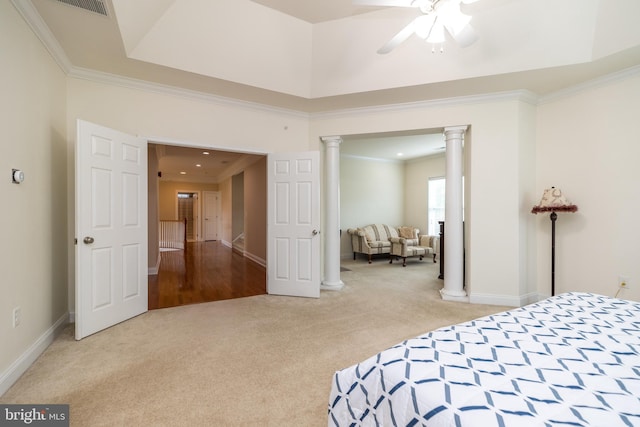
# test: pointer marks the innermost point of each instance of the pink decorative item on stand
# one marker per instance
(553, 201)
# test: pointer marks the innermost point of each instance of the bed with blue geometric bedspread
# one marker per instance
(569, 360)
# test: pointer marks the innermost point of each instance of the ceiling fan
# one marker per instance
(438, 17)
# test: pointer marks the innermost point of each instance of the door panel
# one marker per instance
(101, 278)
(293, 223)
(211, 215)
(111, 228)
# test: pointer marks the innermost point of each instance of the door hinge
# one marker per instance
(75, 241)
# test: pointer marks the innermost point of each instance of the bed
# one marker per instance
(569, 360)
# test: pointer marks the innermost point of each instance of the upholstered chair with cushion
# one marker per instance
(412, 245)
(432, 242)
(372, 239)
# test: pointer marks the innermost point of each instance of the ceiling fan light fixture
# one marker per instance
(466, 37)
(456, 24)
(425, 6)
(436, 35)
(424, 25)
(454, 20)
(438, 17)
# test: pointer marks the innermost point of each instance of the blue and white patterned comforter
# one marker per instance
(570, 360)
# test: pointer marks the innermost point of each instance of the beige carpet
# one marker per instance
(256, 361)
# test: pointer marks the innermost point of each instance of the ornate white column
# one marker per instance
(453, 226)
(332, 214)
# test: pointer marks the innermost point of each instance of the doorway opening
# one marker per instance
(196, 184)
(187, 206)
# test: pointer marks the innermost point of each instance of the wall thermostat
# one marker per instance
(17, 176)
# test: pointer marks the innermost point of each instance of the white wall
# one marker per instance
(527, 228)
(494, 210)
(589, 147)
(371, 192)
(33, 256)
(417, 175)
(255, 208)
(186, 117)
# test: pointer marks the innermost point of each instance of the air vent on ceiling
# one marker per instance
(96, 6)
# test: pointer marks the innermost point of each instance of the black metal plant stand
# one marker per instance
(553, 201)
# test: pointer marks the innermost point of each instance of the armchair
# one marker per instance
(421, 246)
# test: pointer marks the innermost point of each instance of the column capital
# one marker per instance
(452, 131)
(331, 140)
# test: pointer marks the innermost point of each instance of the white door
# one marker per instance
(111, 228)
(211, 207)
(293, 218)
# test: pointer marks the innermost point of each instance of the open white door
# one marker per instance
(111, 228)
(211, 214)
(293, 218)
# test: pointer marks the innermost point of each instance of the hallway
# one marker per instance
(207, 271)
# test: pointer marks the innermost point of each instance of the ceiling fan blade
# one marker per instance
(384, 3)
(466, 37)
(404, 34)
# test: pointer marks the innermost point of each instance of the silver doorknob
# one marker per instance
(88, 240)
(314, 232)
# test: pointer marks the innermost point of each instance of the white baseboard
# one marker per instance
(20, 365)
(254, 258)
(506, 300)
(227, 244)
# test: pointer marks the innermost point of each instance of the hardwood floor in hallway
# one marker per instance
(206, 271)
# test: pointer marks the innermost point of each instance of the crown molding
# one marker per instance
(374, 159)
(591, 84)
(42, 31)
(515, 95)
(162, 89)
(131, 83)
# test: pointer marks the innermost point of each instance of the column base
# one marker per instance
(460, 296)
(331, 286)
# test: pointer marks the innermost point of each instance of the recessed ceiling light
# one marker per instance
(183, 173)
(400, 154)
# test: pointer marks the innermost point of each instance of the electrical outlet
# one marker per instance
(17, 316)
(623, 282)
